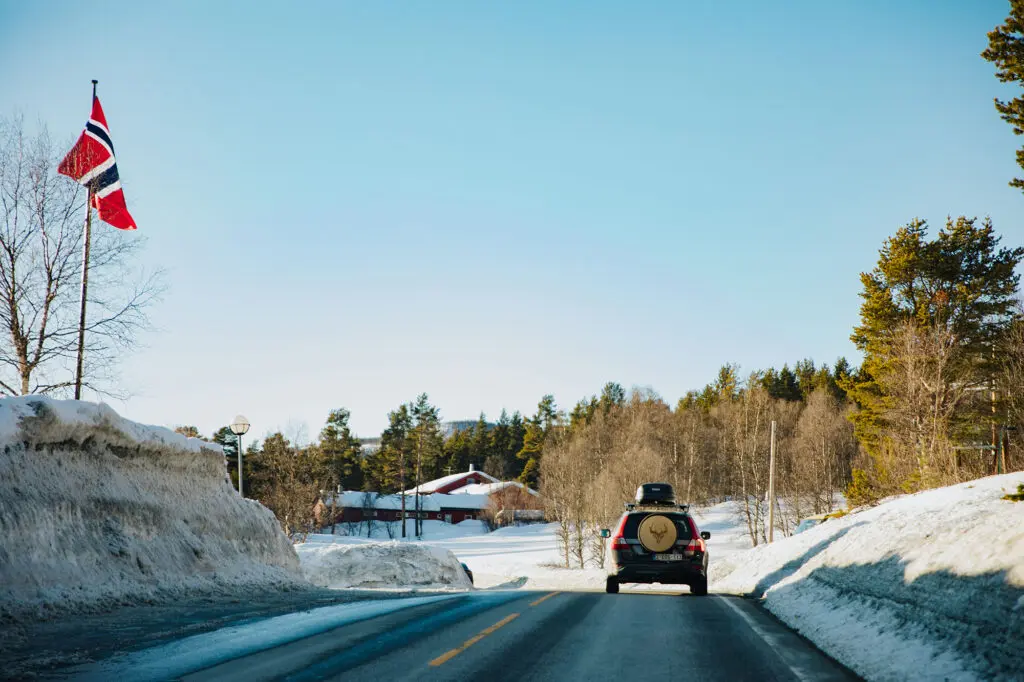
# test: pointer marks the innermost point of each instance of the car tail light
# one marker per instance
(697, 543)
(618, 541)
(693, 546)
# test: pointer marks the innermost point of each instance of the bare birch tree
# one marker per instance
(42, 216)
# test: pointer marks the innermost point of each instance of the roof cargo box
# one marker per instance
(655, 493)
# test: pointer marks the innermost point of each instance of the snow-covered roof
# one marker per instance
(435, 502)
(461, 501)
(490, 488)
(431, 486)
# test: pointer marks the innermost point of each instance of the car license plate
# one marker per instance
(668, 557)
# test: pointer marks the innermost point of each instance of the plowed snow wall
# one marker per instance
(96, 510)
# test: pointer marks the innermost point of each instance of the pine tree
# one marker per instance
(426, 434)
(229, 442)
(341, 451)
(458, 452)
(547, 413)
(500, 443)
(388, 470)
(1006, 50)
(612, 395)
(959, 286)
(517, 435)
(481, 442)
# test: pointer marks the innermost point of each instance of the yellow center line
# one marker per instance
(444, 658)
(546, 596)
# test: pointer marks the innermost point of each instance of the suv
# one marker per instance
(657, 541)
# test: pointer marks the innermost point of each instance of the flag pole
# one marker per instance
(85, 276)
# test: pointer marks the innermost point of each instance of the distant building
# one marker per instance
(469, 495)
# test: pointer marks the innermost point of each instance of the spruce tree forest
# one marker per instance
(937, 398)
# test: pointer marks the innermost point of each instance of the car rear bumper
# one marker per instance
(670, 574)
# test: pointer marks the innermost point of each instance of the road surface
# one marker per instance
(494, 636)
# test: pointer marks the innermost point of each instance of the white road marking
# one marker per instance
(773, 640)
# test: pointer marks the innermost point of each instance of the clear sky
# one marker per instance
(359, 202)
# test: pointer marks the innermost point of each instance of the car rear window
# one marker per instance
(681, 520)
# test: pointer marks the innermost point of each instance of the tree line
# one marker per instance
(937, 399)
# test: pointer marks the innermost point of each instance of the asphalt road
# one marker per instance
(517, 635)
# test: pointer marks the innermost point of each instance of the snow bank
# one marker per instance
(381, 564)
(926, 586)
(96, 510)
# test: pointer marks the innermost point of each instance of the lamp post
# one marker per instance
(239, 427)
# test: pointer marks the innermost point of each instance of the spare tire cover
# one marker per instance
(657, 533)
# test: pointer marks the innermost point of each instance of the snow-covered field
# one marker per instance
(97, 511)
(925, 586)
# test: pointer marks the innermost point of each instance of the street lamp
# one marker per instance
(239, 427)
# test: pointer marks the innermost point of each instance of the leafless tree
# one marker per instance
(42, 217)
(927, 378)
(1011, 384)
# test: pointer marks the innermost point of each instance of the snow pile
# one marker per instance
(96, 510)
(381, 564)
(926, 586)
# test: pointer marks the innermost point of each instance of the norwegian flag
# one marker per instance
(91, 162)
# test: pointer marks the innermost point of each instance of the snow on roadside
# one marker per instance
(925, 586)
(97, 511)
(393, 565)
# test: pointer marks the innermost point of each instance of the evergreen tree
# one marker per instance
(388, 470)
(805, 372)
(531, 473)
(1006, 50)
(426, 436)
(458, 452)
(612, 395)
(961, 284)
(726, 386)
(341, 451)
(481, 442)
(496, 463)
(229, 442)
(582, 413)
(787, 387)
(517, 435)
(547, 413)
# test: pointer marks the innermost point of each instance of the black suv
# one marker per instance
(657, 541)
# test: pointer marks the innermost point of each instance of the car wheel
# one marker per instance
(611, 585)
(699, 588)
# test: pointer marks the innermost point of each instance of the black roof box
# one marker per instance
(655, 493)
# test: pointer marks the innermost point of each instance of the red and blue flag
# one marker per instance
(91, 163)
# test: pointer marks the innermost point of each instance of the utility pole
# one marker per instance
(771, 488)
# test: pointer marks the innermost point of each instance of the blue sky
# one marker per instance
(357, 203)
